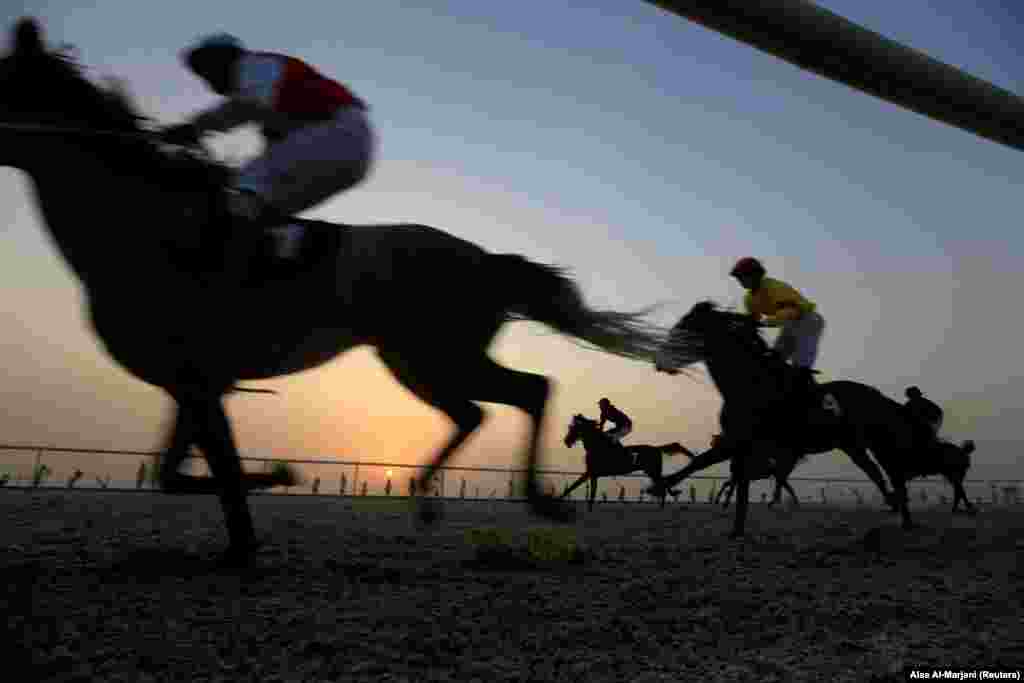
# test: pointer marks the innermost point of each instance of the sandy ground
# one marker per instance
(124, 587)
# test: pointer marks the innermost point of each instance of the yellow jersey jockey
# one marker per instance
(775, 304)
(318, 137)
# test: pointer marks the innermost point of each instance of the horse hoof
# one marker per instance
(238, 555)
(735, 535)
(553, 509)
(428, 512)
(286, 475)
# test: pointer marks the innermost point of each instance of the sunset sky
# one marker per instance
(637, 148)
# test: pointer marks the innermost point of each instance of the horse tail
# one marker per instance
(545, 293)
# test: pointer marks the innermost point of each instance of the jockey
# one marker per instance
(925, 415)
(609, 413)
(318, 137)
(774, 303)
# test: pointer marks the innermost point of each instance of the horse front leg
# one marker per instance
(740, 476)
(222, 457)
(593, 493)
(903, 500)
(960, 494)
(576, 484)
(188, 431)
(792, 493)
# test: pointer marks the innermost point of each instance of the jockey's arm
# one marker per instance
(232, 113)
(785, 313)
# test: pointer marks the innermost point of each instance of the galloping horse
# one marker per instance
(843, 415)
(606, 458)
(128, 227)
(951, 462)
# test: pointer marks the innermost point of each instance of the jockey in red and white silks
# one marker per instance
(319, 140)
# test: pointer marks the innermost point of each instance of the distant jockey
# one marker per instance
(319, 140)
(774, 303)
(925, 415)
(609, 413)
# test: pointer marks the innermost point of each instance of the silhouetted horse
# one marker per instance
(605, 457)
(951, 462)
(132, 231)
(759, 469)
(757, 422)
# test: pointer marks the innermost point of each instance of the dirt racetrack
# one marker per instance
(103, 586)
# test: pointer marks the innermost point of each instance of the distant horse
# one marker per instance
(132, 231)
(605, 457)
(951, 462)
(841, 415)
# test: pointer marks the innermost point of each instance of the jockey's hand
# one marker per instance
(184, 134)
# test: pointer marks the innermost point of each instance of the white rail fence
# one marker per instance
(26, 467)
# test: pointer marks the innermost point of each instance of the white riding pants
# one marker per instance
(313, 163)
(798, 340)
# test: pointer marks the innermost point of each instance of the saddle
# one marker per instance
(318, 244)
(626, 452)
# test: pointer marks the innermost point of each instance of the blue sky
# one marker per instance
(640, 149)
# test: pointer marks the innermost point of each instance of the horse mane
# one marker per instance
(88, 106)
(739, 327)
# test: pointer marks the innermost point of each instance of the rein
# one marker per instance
(57, 130)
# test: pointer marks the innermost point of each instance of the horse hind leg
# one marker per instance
(488, 381)
(859, 455)
(453, 392)
(419, 375)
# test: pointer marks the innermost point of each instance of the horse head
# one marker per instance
(45, 96)
(46, 87)
(704, 330)
(578, 425)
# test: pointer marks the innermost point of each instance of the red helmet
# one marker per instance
(748, 265)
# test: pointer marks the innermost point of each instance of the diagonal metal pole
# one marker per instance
(829, 45)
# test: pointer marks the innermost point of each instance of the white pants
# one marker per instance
(313, 163)
(798, 340)
(619, 433)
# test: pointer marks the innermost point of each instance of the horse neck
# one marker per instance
(94, 213)
(736, 372)
(593, 438)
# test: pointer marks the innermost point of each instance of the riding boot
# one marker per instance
(245, 215)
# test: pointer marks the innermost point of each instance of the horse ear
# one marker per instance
(28, 37)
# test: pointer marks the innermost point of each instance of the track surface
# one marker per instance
(124, 587)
